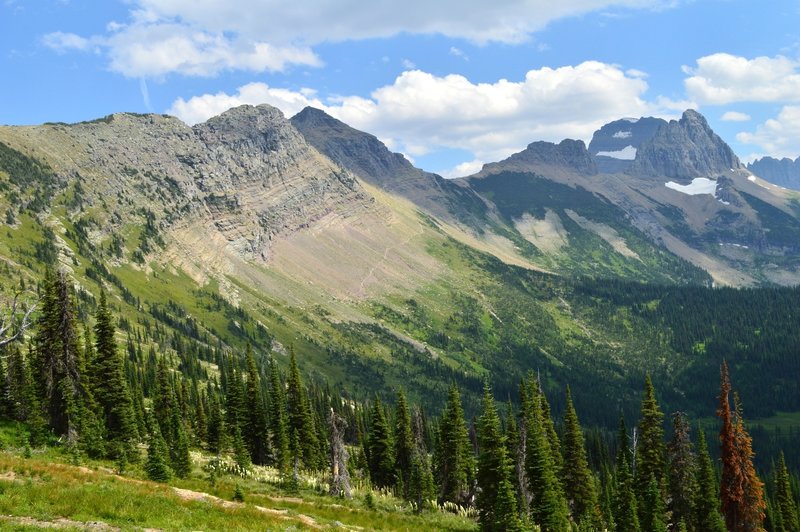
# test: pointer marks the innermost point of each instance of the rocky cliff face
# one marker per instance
(614, 145)
(683, 150)
(370, 160)
(569, 154)
(782, 172)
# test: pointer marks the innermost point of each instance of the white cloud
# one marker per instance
(778, 137)
(201, 108)
(64, 42)
(421, 112)
(408, 64)
(207, 37)
(463, 169)
(735, 116)
(458, 52)
(724, 78)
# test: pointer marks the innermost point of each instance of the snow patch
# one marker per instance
(751, 178)
(622, 135)
(699, 185)
(628, 153)
(631, 120)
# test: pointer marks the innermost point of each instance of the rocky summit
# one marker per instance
(782, 172)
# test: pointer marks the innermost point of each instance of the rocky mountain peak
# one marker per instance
(782, 172)
(614, 145)
(567, 154)
(684, 149)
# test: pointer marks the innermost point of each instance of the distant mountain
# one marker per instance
(782, 172)
(568, 154)
(684, 149)
(614, 145)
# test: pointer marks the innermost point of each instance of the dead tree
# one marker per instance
(340, 481)
(16, 319)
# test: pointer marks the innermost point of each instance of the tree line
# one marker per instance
(519, 468)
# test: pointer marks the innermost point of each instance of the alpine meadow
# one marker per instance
(256, 311)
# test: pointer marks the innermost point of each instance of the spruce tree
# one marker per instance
(785, 505)
(157, 464)
(681, 459)
(650, 449)
(496, 501)
(653, 510)
(110, 388)
(403, 444)
(625, 508)
(578, 481)
(380, 454)
(279, 423)
(548, 506)
(164, 404)
(421, 486)
(706, 516)
(454, 461)
(301, 420)
(215, 425)
(255, 426)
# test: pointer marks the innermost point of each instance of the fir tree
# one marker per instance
(705, 505)
(157, 464)
(279, 421)
(420, 485)
(110, 386)
(255, 427)
(380, 455)
(403, 443)
(454, 461)
(785, 505)
(578, 481)
(215, 425)
(681, 459)
(301, 420)
(741, 491)
(625, 507)
(653, 511)
(496, 501)
(650, 449)
(548, 506)
(179, 451)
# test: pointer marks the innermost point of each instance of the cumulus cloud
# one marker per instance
(463, 169)
(735, 116)
(779, 136)
(200, 108)
(420, 112)
(206, 37)
(724, 78)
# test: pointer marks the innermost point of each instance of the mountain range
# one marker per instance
(304, 231)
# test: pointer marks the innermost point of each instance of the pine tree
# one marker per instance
(496, 501)
(279, 421)
(741, 491)
(421, 486)
(785, 505)
(301, 420)
(179, 450)
(215, 425)
(705, 505)
(548, 506)
(650, 449)
(380, 454)
(681, 459)
(110, 388)
(164, 404)
(403, 444)
(255, 427)
(454, 461)
(578, 481)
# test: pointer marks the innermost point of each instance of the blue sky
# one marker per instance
(450, 84)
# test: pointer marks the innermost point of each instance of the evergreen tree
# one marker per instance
(234, 400)
(179, 450)
(741, 491)
(454, 460)
(705, 506)
(650, 449)
(255, 429)
(496, 501)
(403, 444)
(110, 388)
(785, 505)
(548, 506)
(681, 459)
(578, 481)
(653, 509)
(301, 420)
(215, 425)
(157, 464)
(421, 487)
(380, 455)
(164, 404)
(625, 507)
(279, 421)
